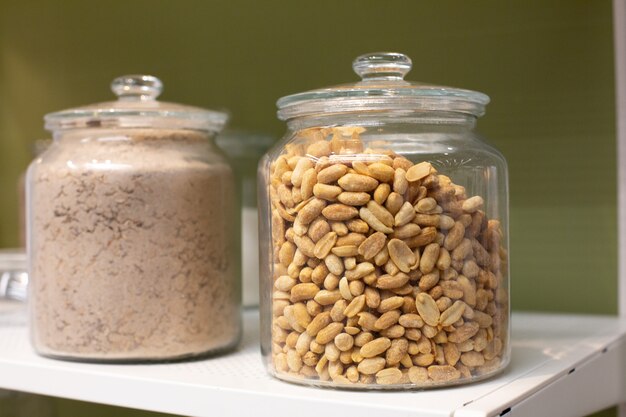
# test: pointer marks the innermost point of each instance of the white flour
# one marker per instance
(132, 248)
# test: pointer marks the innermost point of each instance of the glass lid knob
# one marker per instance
(137, 87)
(382, 66)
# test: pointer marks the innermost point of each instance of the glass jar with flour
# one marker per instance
(132, 232)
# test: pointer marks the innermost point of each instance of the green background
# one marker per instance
(547, 65)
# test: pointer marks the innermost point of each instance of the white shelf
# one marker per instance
(562, 365)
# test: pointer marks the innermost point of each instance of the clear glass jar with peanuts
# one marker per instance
(384, 236)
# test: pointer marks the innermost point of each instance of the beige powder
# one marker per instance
(133, 248)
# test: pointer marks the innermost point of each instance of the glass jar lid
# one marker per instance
(382, 88)
(136, 107)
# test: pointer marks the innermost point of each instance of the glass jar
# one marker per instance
(244, 150)
(132, 243)
(384, 236)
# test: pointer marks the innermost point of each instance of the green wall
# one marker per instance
(547, 65)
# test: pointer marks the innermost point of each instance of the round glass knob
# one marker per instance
(382, 66)
(137, 87)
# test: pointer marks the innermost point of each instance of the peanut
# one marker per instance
(301, 316)
(350, 239)
(406, 231)
(344, 342)
(387, 320)
(405, 214)
(285, 283)
(418, 375)
(394, 203)
(324, 245)
(353, 198)
(427, 219)
(345, 251)
(400, 183)
(372, 245)
(334, 264)
(382, 257)
(357, 226)
(443, 373)
(361, 270)
(326, 297)
(401, 255)
(387, 282)
(397, 351)
(318, 229)
(391, 303)
(310, 211)
(328, 333)
(429, 257)
(472, 359)
(429, 280)
(294, 361)
(326, 192)
(375, 347)
(331, 174)
(349, 263)
(388, 376)
(340, 228)
(339, 212)
(472, 204)
(427, 309)
(355, 306)
(344, 289)
(371, 366)
(372, 297)
(318, 323)
(452, 314)
(381, 193)
(454, 237)
(373, 221)
(464, 332)
(426, 236)
(418, 171)
(298, 172)
(357, 182)
(304, 291)
(426, 205)
(381, 213)
(411, 321)
(451, 353)
(382, 172)
(367, 321)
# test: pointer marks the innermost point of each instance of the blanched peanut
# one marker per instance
(372, 245)
(388, 376)
(331, 174)
(344, 342)
(357, 183)
(394, 203)
(429, 258)
(353, 198)
(401, 255)
(371, 366)
(326, 192)
(381, 193)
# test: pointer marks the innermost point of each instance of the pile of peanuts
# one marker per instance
(384, 272)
